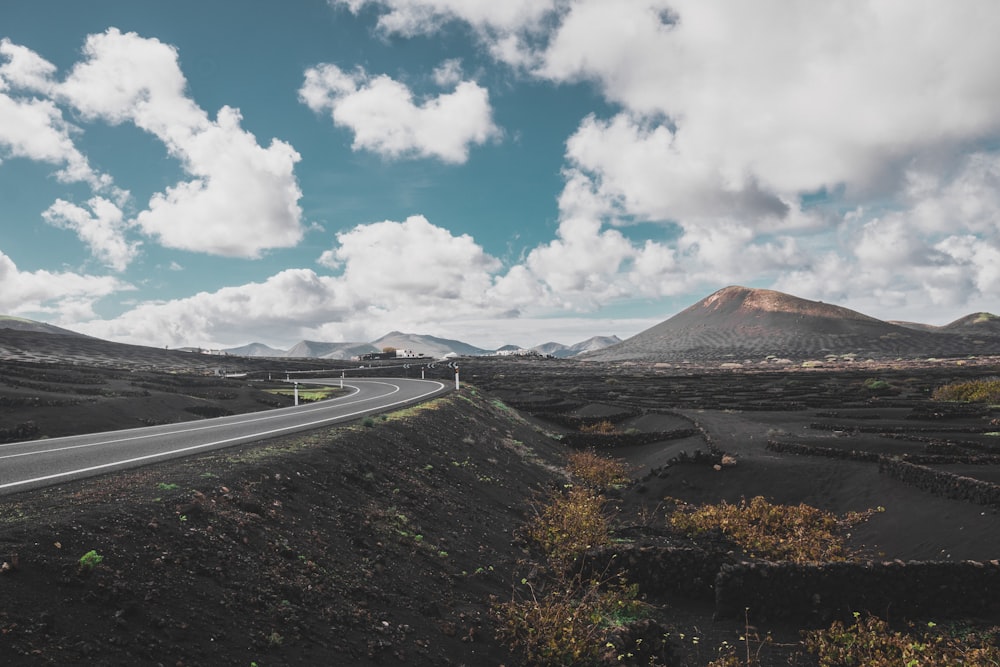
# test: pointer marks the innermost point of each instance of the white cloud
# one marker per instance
(66, 295)
(396, 265)
(284, 302)
(940, 247)
(581, 267)
(102, 228)
(242, 199)
(385, 119)
(730, 113)
(392, 275)
(412, 17)
(35, 128)
(795, 96)
(448, 73)
(24, 68)
(642, 166)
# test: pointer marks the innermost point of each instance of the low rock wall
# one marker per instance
(834, 590)
(662, 572)
(576, 423)
(616, 440)
(830, 452)
(940, 455)
(942, 483)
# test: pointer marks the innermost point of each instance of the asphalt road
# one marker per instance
(38, 463)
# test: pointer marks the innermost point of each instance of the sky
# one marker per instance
(213, 173)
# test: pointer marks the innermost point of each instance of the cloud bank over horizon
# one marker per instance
(848, 153)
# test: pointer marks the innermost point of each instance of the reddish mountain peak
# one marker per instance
(748, 299)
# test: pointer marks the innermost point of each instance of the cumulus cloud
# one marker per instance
(242, 198)
(412, 17)
(102, 228)
(729, 116)
(938, 247)
(797, 96)
(385, 118)
(24, 68)
(428, 263)
(35, 128)
(67, 296)
(389, 275)
(286, 302)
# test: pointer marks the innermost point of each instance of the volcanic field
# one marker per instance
(395, 539)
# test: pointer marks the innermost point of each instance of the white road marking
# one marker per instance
(191, 448)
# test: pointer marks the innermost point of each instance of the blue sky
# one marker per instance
(215, 173)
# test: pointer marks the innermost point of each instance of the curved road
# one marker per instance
(37, 463)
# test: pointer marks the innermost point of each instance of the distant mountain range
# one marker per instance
(420, 344)
(736, 324)
(566, 351)
(739, 324)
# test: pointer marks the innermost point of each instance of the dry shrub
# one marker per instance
(567, 625)
(871, 642)
(597, 472)
(569, 525)
(976, 391)
(798, 533)
(603, 427)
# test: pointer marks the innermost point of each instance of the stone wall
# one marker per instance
(615, 440)
(942, 483)
(662, 572)
(813, 450)
(915, 589)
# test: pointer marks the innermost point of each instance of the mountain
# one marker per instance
(319, 350)
(255, 350)
(740, 323)
(976, 324)
(430, 346)
(561, 351)
(593, 344)
(918, 326)
(22, 324)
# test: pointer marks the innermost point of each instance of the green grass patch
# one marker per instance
(308, 395)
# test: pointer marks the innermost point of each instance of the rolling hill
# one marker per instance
(739, 323)
(23, 324)
(318, 350)
(561, 351)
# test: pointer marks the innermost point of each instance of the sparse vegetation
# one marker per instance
(973, 391)
(90, 560)
(572, 522)
(603, 427)
(871, 642)
(798, 533)
(567, 619)
(877, 386)
(568, 623)
(597, 472)
(308, 395)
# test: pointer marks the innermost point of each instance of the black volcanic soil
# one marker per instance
(383, 544)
